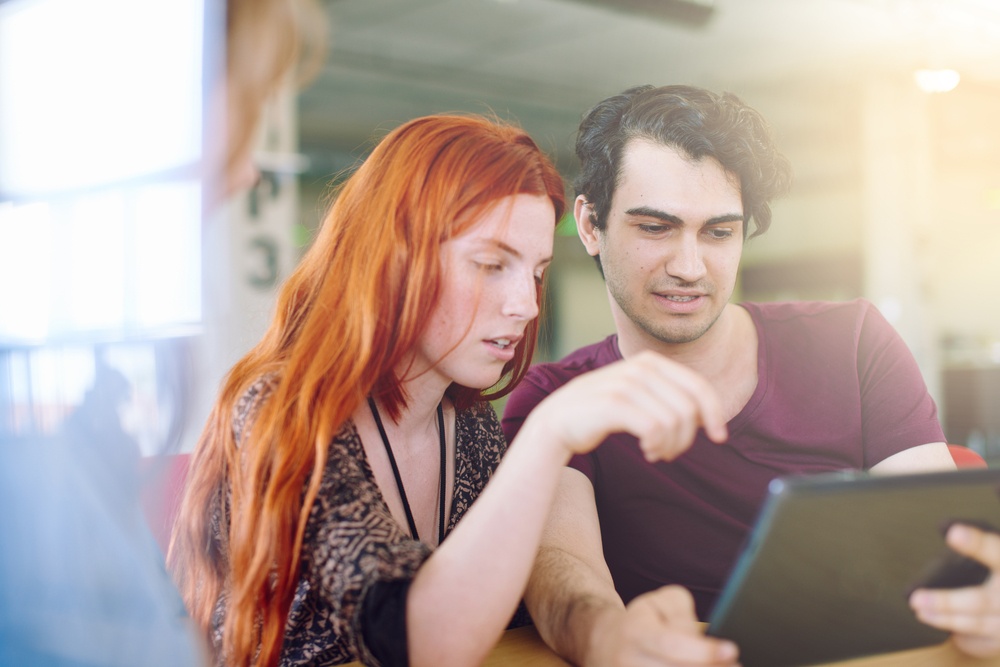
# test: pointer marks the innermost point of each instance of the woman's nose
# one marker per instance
(522, 300)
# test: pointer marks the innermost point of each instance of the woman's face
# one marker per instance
(491, 277)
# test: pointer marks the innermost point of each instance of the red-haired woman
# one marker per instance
(356, 435)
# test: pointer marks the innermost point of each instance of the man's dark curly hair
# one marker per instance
(695, 122)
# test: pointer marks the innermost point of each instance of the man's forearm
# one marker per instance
(570, 602)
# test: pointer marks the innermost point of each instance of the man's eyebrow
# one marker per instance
(649, 212)
(729, 217)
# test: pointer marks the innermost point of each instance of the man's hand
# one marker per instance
(972, 614)
(659, 629)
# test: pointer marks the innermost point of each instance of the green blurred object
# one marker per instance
(567, 225)
(301, 235)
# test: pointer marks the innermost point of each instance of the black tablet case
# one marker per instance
(827, 571)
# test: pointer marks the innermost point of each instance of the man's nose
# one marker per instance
(685, 261)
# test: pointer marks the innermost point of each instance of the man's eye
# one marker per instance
(720, 233)
(653, 229)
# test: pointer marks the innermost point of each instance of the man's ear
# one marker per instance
(583, 211)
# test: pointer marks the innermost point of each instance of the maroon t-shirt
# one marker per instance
(837, 388)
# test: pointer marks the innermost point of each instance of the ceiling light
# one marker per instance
(936, 80)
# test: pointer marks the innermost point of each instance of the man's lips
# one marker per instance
(681, 293)
(680, 301)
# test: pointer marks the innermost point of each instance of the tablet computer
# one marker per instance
(827, 571)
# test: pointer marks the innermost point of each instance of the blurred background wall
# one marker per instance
(897, 194)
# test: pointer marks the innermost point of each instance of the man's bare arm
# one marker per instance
(572, 599)
(922, 458)
(570, 589)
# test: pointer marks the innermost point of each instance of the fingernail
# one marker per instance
(727, 650)
(959, 533)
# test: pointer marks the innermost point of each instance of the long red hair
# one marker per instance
(346, 320)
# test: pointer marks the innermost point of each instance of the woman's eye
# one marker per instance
(489, 267)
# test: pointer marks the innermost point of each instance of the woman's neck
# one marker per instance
(418, 417)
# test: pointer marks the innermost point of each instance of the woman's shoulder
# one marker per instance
(249, 403)
(481, 416)
(479, 428)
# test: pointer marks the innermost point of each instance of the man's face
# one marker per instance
(672, 244)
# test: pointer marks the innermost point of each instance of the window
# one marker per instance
(101, 108)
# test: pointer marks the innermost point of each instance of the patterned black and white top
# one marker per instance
(352, 541)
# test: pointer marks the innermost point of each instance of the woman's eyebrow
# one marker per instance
(511, 250)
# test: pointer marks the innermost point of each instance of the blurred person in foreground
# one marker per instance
(347, 499)
(636, 549)
(82, 582)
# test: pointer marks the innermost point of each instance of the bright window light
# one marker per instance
(101, 106)
(166, 252)
(101, 266)
(101, 110)
(84, 104)
(26, 271)
(936, 80)
(95, 257)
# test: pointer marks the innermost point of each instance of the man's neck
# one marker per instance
(705, 354)
(726, 354)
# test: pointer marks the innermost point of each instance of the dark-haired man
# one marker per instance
(637, 550)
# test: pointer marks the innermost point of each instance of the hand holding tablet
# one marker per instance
(829, 569)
